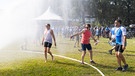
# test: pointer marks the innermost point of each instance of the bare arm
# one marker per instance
(53, 37)
(93, 38)
(124, 38)
(124, 42)
(79, 33)
(42, 40)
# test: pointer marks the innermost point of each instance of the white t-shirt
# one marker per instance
(47, 36)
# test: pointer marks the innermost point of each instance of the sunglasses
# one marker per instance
(86, 27)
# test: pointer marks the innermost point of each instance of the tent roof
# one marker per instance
(49, 15)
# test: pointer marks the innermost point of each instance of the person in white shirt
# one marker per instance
(47, 41)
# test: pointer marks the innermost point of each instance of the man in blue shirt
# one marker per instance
(120, 36)
(112, 41)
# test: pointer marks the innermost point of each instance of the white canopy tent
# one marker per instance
(49, 15)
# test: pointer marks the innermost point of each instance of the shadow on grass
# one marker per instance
(114, 53)
(129, 55)
(103, 52)
(73, 64)
(130, 69)
(103, 66)
(131, 51)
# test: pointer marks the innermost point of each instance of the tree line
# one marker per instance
(105, 11)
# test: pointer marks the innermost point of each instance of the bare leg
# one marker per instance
(90, 54)
(45, 53)
(50, 53)
(122, 58)
(78, 43)
(118, 59)
(83, 55)
(110, 51)
(91, 57)
(98, 37)
(75, 44)
(113, 48)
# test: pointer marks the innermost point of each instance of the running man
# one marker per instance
(47, 41)
(120, 36)
(85, 42)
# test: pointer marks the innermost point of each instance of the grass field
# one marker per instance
(15, 62)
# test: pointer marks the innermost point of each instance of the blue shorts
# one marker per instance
(86, 46)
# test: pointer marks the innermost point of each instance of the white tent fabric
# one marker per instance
(49, 15)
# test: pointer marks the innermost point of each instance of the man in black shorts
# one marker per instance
(120, 33)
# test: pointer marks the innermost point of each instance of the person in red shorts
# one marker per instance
(85, 42)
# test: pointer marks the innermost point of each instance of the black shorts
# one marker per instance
(86, 46)
(118, 48)
(47, 44)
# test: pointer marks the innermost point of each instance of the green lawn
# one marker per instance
(37, 67)
(18, 63)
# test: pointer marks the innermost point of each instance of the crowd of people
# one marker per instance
(117, 40)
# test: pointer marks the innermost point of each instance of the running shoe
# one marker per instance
(125, 67)
(96, 43)
(92, 62)
(119, 69)
(82, 63)
(110, 52)
(80, 50)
